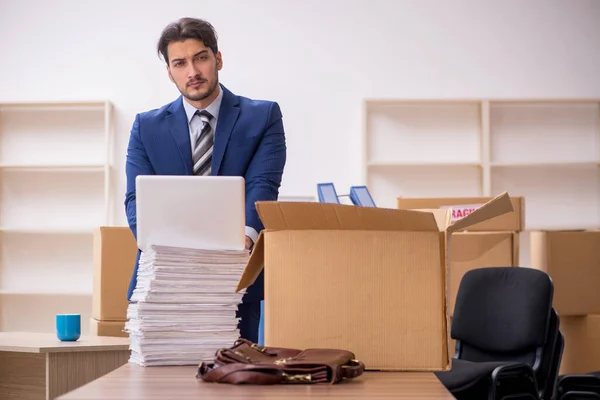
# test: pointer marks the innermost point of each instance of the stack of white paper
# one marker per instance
(184, 305)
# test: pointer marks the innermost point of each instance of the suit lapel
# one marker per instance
(178, 125)
(228, 115)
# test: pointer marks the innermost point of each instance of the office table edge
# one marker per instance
(110, 383)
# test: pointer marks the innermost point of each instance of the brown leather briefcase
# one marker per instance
(249, 363)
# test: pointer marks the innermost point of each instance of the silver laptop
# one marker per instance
(198, 212)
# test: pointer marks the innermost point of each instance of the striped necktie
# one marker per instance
(203, 147)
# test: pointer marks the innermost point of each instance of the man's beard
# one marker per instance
(201, 96)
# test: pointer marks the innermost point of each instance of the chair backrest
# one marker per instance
(506, 314)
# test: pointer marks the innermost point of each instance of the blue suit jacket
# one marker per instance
(249, 142)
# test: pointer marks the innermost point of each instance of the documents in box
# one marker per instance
(463, 206)
(369, 280)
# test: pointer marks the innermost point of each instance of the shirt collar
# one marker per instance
(213, 107)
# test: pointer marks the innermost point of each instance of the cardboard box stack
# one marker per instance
(369, 280)
(572, 259)
(115, 251)
(492, 243)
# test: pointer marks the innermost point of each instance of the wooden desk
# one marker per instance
(39, 366)
(159, 383)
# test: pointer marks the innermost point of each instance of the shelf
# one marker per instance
(298, 198)
(546, 150)
(56, 105)
(471, 101)
(422, 102)
(386, 185)
(555, 197)
(52, 136)
(51, 293)
(421, 165)
(422, 132)
(566, 164)
(60, 201)
(544, 133)
(47, 230)
(55, 189)
(54, 167)
(46, 264)
(548, 101)
(35, 312)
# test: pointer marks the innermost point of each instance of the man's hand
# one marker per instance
(249, 243)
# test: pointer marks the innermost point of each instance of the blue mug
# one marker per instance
(68, 327)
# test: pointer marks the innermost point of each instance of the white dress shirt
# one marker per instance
(194, 122)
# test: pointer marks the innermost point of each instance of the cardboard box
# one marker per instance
(107, 328)
(582, 352)
(369, 280)
(452, 345)
(115, 251)
(472, 250)
(462, 206)
(572, 260)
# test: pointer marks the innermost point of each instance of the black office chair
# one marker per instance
(508, 342)
(579, 395)
(579, 386)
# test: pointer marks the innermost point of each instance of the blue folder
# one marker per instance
(261, 325)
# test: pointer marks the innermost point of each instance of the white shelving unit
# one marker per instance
(55, 189)
(546, 150)
(303, 199)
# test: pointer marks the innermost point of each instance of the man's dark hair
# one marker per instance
(187, 28)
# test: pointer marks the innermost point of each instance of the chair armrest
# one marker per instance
(577, 395)
(511, 380)
(578, 382)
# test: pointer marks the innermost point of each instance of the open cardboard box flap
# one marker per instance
(326, 216)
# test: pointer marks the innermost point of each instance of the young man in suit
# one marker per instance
(208, 130)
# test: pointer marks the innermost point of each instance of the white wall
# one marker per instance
(318, 58)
